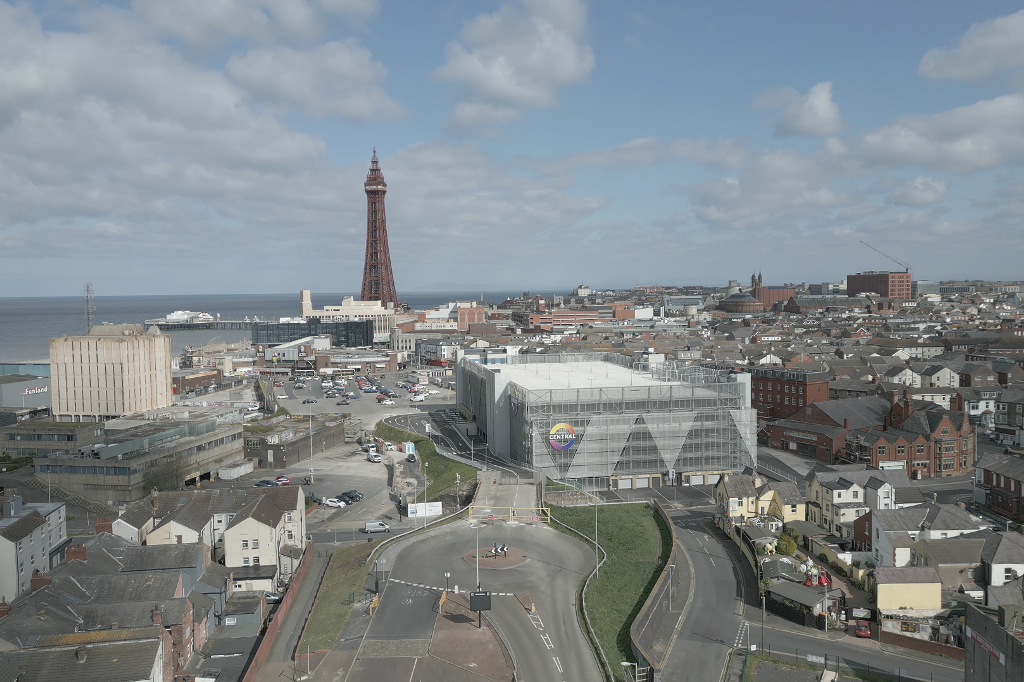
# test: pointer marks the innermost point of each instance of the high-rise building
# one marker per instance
(378, 280)
(117, 369)
(885, 284)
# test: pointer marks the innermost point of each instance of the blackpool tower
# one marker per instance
(378, 280)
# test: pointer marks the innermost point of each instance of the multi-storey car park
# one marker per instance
(598, 422)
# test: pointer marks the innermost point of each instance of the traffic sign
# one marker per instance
(490, 517)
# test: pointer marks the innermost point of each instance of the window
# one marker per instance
(245, 544)
(943, 535)
(881, 450)
(787, 401)
(801, 402)
(230, 620)
(801, 390)
(1007, 574)
(856, 494)
(21, 567)
(828, 507)
(839, 494)
(901, 449)
(792, 509)
(760, 397)
(255, 544)
(289, 535)
(920, 449)
(945, 431)
(288, 517)
(255, 561)
(245, 561)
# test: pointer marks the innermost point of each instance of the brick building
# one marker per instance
(886, 284)
(777, 393)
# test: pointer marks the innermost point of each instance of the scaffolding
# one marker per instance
(620, 423)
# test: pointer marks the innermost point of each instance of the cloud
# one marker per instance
(920, 191)
(213, 22)
(985, 49)
(812, 114)
(516, 59)
(778, 186)
(334, 79)
(967, 139)
(719, 153)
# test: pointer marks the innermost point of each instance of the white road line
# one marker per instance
(547, 641)
(558, 664)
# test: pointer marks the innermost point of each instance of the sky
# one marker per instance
(220, 146)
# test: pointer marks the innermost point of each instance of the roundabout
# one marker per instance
(510, 558)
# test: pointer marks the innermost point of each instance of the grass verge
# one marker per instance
(638, 544)
(342, 583)
(754, 662)
(440, 470)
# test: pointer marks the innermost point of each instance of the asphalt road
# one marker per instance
(724, 583)
(547, 646)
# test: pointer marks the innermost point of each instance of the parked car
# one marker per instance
(387, 401)
(334, 502)
(863, 629)
(308, 401)
(388, 445)
(274, 598)
(342, 402)
(263, 484)
(381, 398)
(411, 457)
(376, 527)
(354, 494)
(282, 480)
(417, 398)
(347, 499)
(374, 457)
(433, 391)
(278, 384)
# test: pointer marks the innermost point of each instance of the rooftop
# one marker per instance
(561, 375)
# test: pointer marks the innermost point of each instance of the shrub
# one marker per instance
(823, 557)
(787, 546)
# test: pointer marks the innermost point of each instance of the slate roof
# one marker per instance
(928, 515)
(162, 557)
(263, 511)
(863, 413)
(201, 605)
(903, 575)
(955, 551)
(104, 662)
(1003, 548)
(787, 492)
(215, 500)
(241, 605)
(8, 671)
(131, 614)
(739, 485)
(801, 594)
(895, 477)
(1011, 466)
(1011, 592)
(192, 515)
(21, 528)
(215, 575)
(908, 495)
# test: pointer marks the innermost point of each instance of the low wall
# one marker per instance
(263, 650)
(926, 646)
(653, 630)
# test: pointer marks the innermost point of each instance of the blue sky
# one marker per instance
(220, 145)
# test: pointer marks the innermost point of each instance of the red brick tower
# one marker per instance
(378, 280)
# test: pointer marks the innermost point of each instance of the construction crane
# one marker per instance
(897, 262)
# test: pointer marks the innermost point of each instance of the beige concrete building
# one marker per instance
(116, 370)
(383, 317)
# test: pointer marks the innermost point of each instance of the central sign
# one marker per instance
(562, 436)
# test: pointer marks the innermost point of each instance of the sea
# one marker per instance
(27, 324)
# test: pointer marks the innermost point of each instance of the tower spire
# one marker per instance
(378, 279)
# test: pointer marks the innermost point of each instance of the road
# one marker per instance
(548, 644)
(725, 586)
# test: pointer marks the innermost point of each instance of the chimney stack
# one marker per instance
(75, 552)
(81, 654)
(157, 616)
(5, 608)
(104, 524)
(846, 423)
(39, 581)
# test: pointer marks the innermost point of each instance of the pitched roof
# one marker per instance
(1003, 548)
(928, 515)
(192, 515)
(903, 575)
(162, 557)
(863, 413)
(104, 662)
(21, 528)
(263, 511)
(739, 485)
(1009, 465)
(955, 550)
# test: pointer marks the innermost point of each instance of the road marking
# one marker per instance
(547, 641)
(537, 623)
(558, 664)
(739, 633)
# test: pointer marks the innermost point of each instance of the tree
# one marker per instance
(787, 546)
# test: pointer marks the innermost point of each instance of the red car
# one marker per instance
(863, 629)
(283, 480)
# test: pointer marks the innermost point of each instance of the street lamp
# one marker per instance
(446, 576)
(671, 573)
(636, 668)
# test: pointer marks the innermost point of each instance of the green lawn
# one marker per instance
(638, 545)
(344, 578)
(440, 470)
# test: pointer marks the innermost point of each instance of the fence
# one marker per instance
(924, 645)
(521, 514)
(263, 650)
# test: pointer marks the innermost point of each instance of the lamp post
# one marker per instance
(636, 668)
(425, 465)
(381, 562)
(671, 574)
(446, 576)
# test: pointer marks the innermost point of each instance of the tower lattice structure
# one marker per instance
(378, 279)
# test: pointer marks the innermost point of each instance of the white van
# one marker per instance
(376, 527)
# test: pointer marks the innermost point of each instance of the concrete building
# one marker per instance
(592, 421)
(116, 370)
(383, 317)
(994, 645)
(135, 456)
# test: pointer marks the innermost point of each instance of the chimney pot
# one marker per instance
(81, 654)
